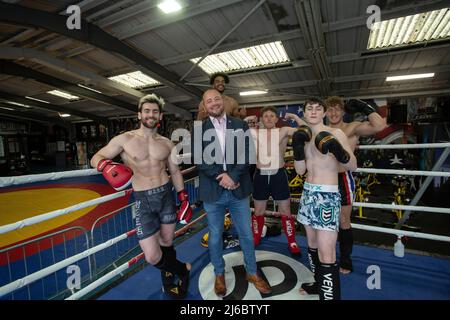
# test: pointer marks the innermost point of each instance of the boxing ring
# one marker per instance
(105, 261)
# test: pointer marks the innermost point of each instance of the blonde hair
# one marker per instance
(151, 98)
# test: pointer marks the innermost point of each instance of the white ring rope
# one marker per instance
(401, 207)
(126, 265)
(411, 234)
(405, 172)
(404, 146)
(105, 278)
(19, 283)
(56, 213)
(14, 181)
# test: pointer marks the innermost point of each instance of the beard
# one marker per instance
(216, 114)
(150, 126)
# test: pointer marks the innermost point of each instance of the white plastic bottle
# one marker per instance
(399, 248)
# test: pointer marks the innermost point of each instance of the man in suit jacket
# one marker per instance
(222, 152)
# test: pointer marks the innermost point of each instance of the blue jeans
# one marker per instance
(240, 215)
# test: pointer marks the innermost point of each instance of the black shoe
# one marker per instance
(310, 288)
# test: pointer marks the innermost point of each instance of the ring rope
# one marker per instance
(56, 213)
(401, 207)
(105, 278)
(404, 146)
(123, 267)
(30, 178)
(19, 283)
(405, 172)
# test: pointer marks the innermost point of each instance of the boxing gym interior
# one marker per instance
(71, 76)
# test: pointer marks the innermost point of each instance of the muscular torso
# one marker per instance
(147, 157)
(271, 145)
(322, 168)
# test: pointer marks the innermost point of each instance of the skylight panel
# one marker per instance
(421, 27)
(135, 80)
(241, 59)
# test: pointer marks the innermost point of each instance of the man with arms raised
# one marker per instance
(353, 130)
(270, 178)
(146, 156)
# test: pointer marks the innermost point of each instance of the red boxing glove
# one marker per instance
(118, 175)
(184, 215)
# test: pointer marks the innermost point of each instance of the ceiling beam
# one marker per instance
(15, 69)
(48, 106)
(30, 116)
(90, 33)
(43, 58)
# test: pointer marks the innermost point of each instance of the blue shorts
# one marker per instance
(154, 207)
(320, 206)
(273, 183)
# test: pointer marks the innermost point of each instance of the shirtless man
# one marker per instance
(218, 81)
(270, 178)
(353, 130)
(321, 150)
(146, 156)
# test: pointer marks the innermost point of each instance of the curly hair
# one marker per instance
(334, 100)
(218, 74)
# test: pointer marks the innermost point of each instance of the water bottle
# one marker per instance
(399, 248)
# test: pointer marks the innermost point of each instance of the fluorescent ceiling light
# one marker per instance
(421, 27)
(36, 99)
(18, 104)
(260, 56)
(64, 115)
(135, 80)
(169, 6)
(410, 76)
(63, 94)
(252, 92)
(6, 108)
(80, 85)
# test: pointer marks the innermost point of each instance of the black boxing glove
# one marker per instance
(299, 138)
(326, 142)
(355, 105)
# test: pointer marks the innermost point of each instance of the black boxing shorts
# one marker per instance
(271, 183)
(346, 188)
(154, 207)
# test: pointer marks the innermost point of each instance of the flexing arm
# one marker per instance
(367, 128)
(296, 118)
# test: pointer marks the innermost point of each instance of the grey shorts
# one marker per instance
(154, 207)
(320, 207)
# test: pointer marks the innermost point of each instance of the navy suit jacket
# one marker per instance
(207, 156)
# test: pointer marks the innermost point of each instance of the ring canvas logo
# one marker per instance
(284, 274)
